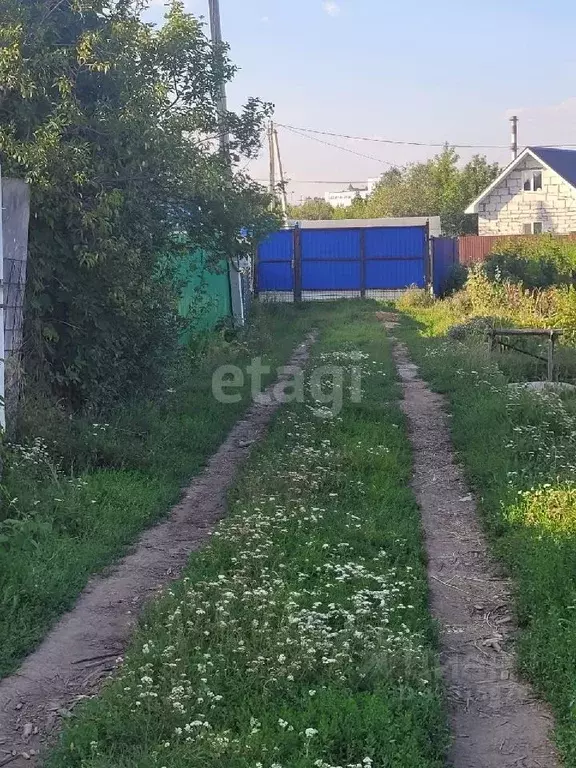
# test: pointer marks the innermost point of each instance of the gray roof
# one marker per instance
(407, 221)
(563, 161)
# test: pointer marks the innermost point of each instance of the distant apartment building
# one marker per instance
(345, 197)
(373, 183)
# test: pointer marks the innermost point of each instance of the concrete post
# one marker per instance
(15, 221)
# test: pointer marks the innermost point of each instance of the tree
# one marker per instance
(438, 187)
(312, 209)
(113, 121)
(356, 210)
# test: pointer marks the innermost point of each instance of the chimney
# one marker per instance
(514, 142)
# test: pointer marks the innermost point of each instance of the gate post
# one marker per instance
(297, 264)
(429, 259)
(362, 263)
(255, 264)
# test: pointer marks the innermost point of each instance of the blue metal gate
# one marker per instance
(444, 258)
(326, 263)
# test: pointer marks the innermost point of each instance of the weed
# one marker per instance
(80, 489)
(519, 452)
(504, 304)
(300, 636)
(535, 262)
(415, 297)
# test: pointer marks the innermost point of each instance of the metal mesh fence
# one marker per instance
(14, 286)
(288, 296)
(15, 218)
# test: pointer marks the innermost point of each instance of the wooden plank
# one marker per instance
(526, 332)
(551, 358)
(550, 333)
(517, 349)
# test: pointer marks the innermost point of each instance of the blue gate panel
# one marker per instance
(330, 244)
(395, 242)
(333, 259)
(330, 275)
(275, 276)
(444, 257)
(278, 247)
(394, 273)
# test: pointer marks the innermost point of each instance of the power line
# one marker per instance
(392, 141)
(416, 143)
(316, 181)
(337, 146)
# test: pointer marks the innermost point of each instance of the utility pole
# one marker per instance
(271, 151)
(284, 197)
(234, 275)
(514, 141)
(216, 33)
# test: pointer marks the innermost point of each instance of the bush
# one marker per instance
(456, 280)
(564, 312)
(484, 296)
(101, 113)
(535, 262)
(531, 273)
(415, 297)
(475, 327)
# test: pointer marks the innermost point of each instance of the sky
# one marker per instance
(411, 70)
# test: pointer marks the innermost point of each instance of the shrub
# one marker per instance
(415, 297)
(531, 273)
(563, 313)
(484, 295)
(102, 114)
(475, 327)
(459, 304)
(456, 280)
(535, 262)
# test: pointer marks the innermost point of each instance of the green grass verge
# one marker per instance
(519, 451)
(77, 492)
(300, 636)
(483, 304)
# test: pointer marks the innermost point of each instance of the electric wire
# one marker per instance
(338, 146)
(409, 143)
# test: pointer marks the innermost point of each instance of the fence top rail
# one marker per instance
(549, 332)
(351, 228)
(433, 222)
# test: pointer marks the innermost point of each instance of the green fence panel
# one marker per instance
(205, 297)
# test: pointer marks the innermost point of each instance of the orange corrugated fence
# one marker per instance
(475, 248)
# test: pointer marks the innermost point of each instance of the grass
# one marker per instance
(519, 451)
(75, 493)
(503, 305)
(300, 636)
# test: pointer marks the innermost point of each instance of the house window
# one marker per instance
(532, 181)
(537, 182)
(534, 228)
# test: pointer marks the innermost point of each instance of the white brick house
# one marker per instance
(535, 193)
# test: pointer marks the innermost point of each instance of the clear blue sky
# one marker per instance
(413, 70)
